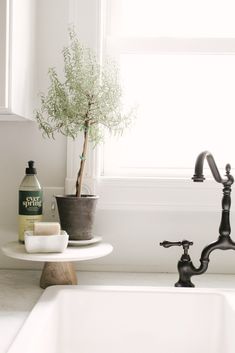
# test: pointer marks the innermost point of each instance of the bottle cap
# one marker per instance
(31, 169)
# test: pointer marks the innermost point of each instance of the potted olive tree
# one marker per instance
(85, 103)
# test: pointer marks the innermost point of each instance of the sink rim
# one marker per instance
(48, 296)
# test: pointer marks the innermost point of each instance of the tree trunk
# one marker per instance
(82, 163)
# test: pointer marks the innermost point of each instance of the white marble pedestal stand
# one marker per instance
(58, 267)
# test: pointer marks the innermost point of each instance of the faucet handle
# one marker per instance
(184, 243)
(168, 244)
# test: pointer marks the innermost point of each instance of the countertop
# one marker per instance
(19, 292)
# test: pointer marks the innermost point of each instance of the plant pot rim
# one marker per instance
(73, 196)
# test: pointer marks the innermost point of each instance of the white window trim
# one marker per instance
(169, 45)
(78, 10)
(138, 193)
(153, 193)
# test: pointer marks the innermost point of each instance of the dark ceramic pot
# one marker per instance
(77, 215)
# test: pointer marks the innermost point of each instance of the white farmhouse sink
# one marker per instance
(69, 319)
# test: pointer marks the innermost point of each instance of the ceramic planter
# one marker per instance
(77, 215)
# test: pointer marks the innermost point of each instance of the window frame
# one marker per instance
(128, 193)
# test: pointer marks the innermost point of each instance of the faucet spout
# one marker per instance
(198, 172)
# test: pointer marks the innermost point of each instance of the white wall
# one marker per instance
(22, 141)
(3, 11)
(134, 230)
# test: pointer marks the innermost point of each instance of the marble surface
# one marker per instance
(16, 250)
(19, 292)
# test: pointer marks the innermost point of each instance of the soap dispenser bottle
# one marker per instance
(30, 201)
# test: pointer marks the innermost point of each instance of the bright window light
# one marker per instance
(184, 18)
(185, 97)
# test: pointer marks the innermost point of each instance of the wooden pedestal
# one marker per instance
(57, 273)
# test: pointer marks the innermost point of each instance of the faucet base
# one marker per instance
(181, 283)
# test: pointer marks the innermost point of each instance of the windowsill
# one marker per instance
(185, 181)
(162, 194)
(168, 194)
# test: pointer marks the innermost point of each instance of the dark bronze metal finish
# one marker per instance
(186, 268)
(77, 215)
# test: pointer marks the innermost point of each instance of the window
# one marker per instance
(182, 76)
(177, 65)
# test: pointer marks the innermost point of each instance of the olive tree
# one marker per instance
(85, 103)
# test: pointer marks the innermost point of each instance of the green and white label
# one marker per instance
(30, 203)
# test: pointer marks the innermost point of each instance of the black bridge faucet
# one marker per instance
(186, 268)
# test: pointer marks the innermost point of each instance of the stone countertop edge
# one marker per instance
(19, 292)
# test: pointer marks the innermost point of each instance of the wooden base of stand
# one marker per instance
(55, 273)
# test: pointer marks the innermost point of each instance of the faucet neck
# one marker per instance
(198, 173)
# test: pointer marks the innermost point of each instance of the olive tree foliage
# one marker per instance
(87, 100)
